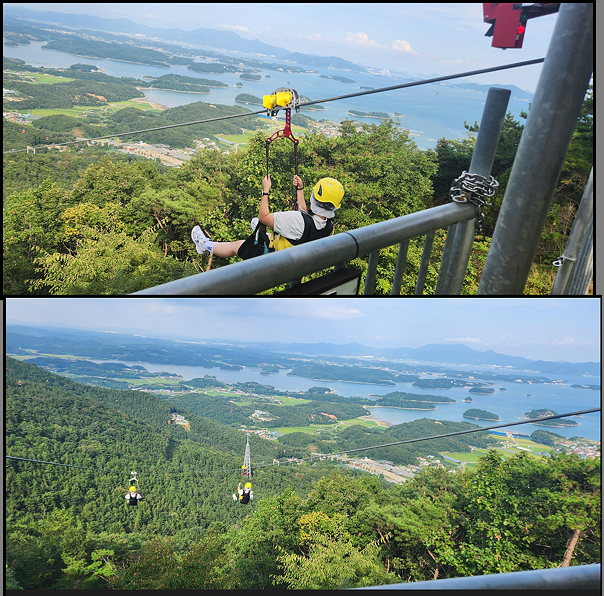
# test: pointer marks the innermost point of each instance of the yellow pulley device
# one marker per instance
(281, 99)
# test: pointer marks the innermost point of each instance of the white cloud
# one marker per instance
(465, 340)
(360, 38)
(403, 46)
(234, 28)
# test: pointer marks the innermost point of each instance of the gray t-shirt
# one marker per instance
(290, 224)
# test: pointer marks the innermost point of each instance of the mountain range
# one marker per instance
(19, 336)
(218, 40)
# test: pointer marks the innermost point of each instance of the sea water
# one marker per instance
(509, 405)
(429, 112)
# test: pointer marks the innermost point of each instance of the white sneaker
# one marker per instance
(200, 240)
(254, 223)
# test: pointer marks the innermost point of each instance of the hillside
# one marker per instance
(308, 527)
(219, 40)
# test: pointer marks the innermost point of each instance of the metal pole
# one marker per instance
(482, 163)
(401, 263)
(582, 218)
(247, 462)
(444, 260)
(249, 277)
(371, 273)
(541, 152)
(578, 284)
(423, 266)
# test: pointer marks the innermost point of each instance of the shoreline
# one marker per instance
(381, 423)
(157, 106)
(401, 408)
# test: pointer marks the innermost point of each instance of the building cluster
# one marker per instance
(169, 157)
(263, 433)
(583, 449)
(390, 472)
(19, 118)
(179, 419)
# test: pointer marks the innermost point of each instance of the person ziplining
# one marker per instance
(245, 495)
(133, 496)
(290, 228)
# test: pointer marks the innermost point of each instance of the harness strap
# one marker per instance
(287, 133)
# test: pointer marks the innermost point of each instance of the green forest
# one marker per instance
(92, 221)
(311, 526)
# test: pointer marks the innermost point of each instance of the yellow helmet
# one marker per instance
(248, 485)
(329, 190)
(133, 489)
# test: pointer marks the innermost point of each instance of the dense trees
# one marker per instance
(150, 214)
(309, 526)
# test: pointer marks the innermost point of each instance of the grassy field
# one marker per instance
(35, 354)
(78, 111)
(508, 450)
(341, 424)
(39, 78)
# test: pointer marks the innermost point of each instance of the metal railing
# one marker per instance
(573, 279)
(271, 270)
(580, 577)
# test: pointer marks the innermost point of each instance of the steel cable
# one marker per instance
(307, 103)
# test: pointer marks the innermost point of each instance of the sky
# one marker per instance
(413, 38)
(553, 329)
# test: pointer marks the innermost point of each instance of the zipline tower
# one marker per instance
(247, 466)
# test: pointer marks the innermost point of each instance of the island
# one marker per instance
(349, 374)
(250, 77)
(468, 399)
(476, 414)
(368, 114)
(411, 401)
(335, 78)
(179, 83)
(559, 422)
(482, 390)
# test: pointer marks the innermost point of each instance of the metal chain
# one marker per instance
(476, 189)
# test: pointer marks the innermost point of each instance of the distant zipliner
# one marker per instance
(133, 496)
(245, 495)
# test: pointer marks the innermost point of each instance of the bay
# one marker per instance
(510, 405)
(430, 112)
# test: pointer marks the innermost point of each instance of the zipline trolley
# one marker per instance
(283, 98)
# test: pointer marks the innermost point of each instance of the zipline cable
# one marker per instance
(460, 432)
(308, 103)
(323, 455)
(57, 464)
(122, 134)
(426, 81)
